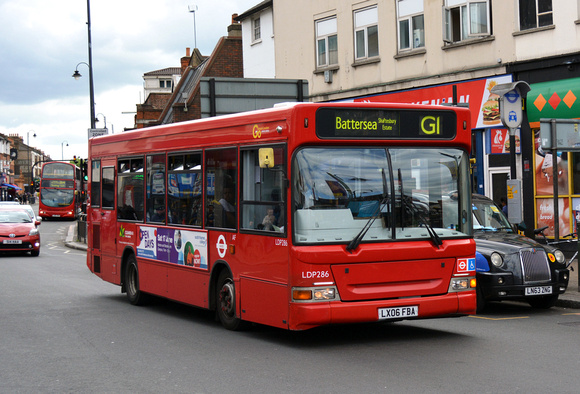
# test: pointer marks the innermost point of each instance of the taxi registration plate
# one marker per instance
(538, 290)
(400, 312)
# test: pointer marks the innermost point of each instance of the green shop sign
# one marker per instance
(554, 100)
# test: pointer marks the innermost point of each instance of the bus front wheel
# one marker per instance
(226, 302)
(134, 294)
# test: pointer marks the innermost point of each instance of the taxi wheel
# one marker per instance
(543, 302)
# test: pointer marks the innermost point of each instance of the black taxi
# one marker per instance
(510, 266)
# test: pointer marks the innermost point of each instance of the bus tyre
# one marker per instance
(135, 296)
(226, 302)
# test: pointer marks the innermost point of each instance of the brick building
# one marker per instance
(183, 103)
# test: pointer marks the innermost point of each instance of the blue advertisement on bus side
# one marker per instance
(177, 246)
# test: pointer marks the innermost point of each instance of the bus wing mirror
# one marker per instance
(266, 157)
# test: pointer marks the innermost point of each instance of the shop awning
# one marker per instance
(553, 100)
(10, 186)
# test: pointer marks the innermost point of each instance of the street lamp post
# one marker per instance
(104, 118)
(62, 148)
(29, 158)
(77, 75)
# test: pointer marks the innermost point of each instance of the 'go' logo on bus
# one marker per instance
(431, 125)
(257, 131)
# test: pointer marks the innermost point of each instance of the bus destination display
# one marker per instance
(385, 124)
(58, 183)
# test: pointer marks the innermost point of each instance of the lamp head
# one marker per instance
(76, 75)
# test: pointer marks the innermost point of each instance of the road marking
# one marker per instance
(571, 313)
(500, 318)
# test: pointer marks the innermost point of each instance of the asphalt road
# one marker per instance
(63, 330)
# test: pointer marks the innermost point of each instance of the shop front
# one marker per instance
(559, 99)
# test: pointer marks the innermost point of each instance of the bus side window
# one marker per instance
(130, 184)
(262, 198)
(221, 188)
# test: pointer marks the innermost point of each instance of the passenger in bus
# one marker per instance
(228, 206)
(128, 212)
(159, 215)
(209, 220)
(269, 221)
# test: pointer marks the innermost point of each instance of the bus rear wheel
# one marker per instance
(134, 294)
(226, 302)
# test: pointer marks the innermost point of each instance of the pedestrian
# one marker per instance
(504, 207)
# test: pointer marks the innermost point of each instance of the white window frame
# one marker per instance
(326, 30)
(408, 10)
(467, 11)
(362, 25)
(538, 14)
(256, 30)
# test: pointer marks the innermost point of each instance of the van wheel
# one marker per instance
(134, 294)
(226, 302)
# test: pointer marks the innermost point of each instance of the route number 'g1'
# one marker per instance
(431, 125)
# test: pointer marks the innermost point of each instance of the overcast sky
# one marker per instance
(41, 43)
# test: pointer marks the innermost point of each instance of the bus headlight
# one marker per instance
(313, 294)
(462, 283)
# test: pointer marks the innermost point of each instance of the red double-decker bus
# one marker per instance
(60, 190)
(294, 217)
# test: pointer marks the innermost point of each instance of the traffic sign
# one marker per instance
(98, 132)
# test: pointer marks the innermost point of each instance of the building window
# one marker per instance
(256, 31)
(535, 13)
(466, 19)
(411, 24)
(326, 42)
(366, 33)
(165, 83)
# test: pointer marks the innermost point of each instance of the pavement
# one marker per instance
(570, 299)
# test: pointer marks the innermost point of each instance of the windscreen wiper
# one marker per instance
(355, 242)
(405, 201)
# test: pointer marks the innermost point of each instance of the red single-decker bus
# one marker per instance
(297, 216)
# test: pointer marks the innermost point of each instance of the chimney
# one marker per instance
(185, 60)
(235, 29)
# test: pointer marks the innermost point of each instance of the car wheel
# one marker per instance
(543, 302)
(35, 253)
(134, 294)
(226, 302)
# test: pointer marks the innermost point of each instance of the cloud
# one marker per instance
(42, 42)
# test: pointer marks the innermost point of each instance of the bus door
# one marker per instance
(108, 219)
(103, 221)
